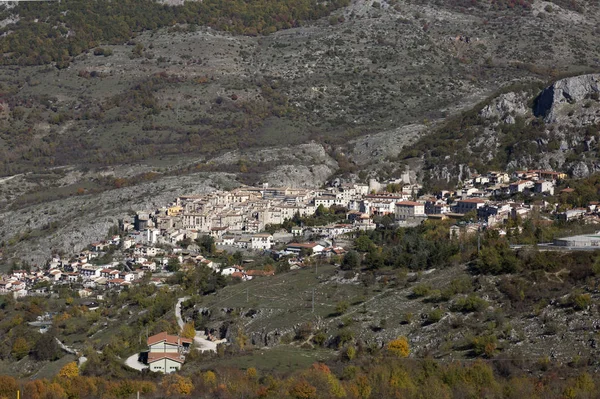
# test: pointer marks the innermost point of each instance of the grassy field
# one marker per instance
(35, 370)
(281, 359)
(286, 299)
(50, 370)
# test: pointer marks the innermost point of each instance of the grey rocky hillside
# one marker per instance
(555, 128)
(32, 232)
(195, 109)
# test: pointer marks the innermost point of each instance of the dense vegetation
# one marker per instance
(384, 374)
(417, 248)
(527, 281)
(57, 31)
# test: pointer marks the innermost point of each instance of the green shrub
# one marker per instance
(421, 290)
(581, 301)
(471, 303)
(434, 316)
(485, 345)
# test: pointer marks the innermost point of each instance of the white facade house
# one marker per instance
(166, 352)
(165, 362)
(261, 241)
(544, 186)
(520, 186)
(409, 209)
(312, 247)
(89, 271)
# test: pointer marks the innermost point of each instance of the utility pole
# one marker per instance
(246, 294)
(313, 301)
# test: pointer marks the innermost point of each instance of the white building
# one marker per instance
(544, 186)
(166, 354)
(261, 241)
(520, 186)
(409, 209)
(467, 205)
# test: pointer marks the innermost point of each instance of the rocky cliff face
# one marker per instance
(560, 131)
(559, 101)
(506, 107)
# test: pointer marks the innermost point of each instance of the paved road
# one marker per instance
(65, 347)
(202, 343)
(132, 361)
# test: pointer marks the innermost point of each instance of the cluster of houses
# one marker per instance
(237, 219)
(95, 278)
(474, 198)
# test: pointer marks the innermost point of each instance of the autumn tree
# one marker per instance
(209, 378)
(20, 348)
(69, 370)
(188, 331)
(399, 347)
(8, 387)
(303, 390)
(175, 385)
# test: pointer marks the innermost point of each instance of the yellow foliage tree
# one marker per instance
(69, 370)
(399, 347)
(303, 390)
(8, 387)
(251, 373)
(210, 378)
(176, 385)
(20, 348)
(335, 387)
(188, 331)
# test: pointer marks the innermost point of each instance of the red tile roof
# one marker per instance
(302, 245)
(170, 339)
(156, 356)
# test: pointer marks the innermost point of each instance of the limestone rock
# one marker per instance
(558, 100)
(580, 169)
(506, 107)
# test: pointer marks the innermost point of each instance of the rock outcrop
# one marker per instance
(556, 101)
(506, 107)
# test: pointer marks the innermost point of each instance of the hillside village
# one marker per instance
(238, 220)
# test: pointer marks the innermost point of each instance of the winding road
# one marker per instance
(200, 338)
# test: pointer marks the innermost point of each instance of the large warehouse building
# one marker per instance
(591, 240)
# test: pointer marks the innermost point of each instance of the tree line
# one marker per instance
(54, 32)
(388, 375)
